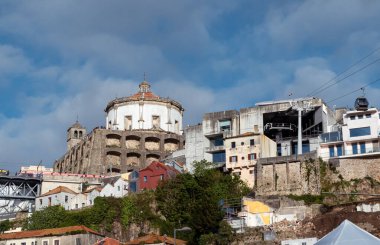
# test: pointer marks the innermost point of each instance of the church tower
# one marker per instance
(75, 134)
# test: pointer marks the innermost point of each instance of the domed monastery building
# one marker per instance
(139, 129)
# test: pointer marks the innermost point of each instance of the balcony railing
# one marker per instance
(215, 148)
(350, 152)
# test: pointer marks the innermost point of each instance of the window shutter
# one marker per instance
(249, 156)
(254, 156)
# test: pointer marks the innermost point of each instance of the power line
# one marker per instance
(349, 75)
(341, 73)
(375, 81)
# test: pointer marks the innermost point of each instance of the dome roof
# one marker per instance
(144, 94)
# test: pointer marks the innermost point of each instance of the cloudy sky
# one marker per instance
(60, 59)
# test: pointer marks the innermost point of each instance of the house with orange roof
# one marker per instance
(58, 196)
(72, 235)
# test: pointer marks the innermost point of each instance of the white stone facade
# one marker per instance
(144, 110)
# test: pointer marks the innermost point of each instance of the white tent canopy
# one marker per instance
(348, 233)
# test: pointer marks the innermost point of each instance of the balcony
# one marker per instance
(349, 153)
(214, 148)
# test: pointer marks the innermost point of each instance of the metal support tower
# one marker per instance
(300, 106)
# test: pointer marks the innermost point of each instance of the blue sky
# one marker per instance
(63, 58)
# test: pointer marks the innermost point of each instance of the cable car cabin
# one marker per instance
(361, 104)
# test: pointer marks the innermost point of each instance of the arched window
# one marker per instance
(80, 134)
(75, 134)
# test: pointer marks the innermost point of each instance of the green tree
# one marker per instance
(5, 225)
(50, 217)
(193, 199)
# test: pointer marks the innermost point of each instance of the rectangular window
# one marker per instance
(339, 150)
(219, 157)
(56, 242)
(352, 117)
(118, 188)
(217, 141)
(40, 201)
(331, 151)
(225, 125)
(49, 201)
(252, 142)
(156, 121)
(78, 241)
(161, 177)
(233, 144)
(356, 132)
(23, 243)
(279, 150)
(233, 158)
(251, 172)
(145, 178)
(242, 143)
(252, 156)
(360, 117)
(66, 199)
(45, 242)
(76, 206)
(362, 147)
(128, 122)
(354, 148)
(83, 204)
(176, 126)
(368, 115)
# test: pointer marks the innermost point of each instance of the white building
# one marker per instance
(59, 196)
(358, 135)
(277, 120)
(144, 110)
(114, 186)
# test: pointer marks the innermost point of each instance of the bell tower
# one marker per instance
(75, 134)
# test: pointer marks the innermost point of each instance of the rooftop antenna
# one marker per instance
(363, 91)
(77, 117)
(144, 76)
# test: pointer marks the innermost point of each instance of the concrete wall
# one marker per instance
(195, 146)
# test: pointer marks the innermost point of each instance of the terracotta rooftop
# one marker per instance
(146, 94)
(57, 190)
(154, 238)
(108, 241)
(47, 232)
(159, 164)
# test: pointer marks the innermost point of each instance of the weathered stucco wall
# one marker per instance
(288, 177)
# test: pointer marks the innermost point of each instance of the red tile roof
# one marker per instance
(47, 232)
(108, 241)
(57, 190)
(159, 164)
(154, 238)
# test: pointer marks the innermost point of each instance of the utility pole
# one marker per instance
(300, 106)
